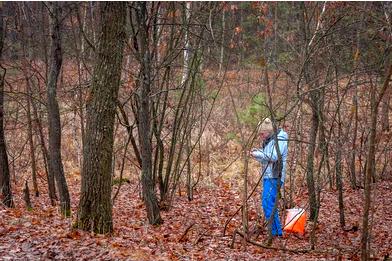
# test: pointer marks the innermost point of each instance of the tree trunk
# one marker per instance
(339, 182)
(95, 206)
(385, 113)
(45, 155)
(81, 57)
(185, 72)
(37, 119)
(371, 162)
(188, 168)
(31, 140)
(222, 46)
(353, 177)
(144, 124)
(310, 166)
(310, 72)
(370, 168)
(5, 184)
(55, 163)
(27, 58)
(26, 196)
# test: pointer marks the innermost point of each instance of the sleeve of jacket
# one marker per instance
(270, 155)
(260, 156)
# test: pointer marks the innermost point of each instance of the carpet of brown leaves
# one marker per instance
(41, 234)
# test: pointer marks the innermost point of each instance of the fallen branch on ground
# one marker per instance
(298, 251)
(186, 232)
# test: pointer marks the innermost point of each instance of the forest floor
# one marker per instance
(191, 230)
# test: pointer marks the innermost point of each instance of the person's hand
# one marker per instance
(251, 152)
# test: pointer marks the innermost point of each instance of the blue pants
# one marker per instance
(270, 193)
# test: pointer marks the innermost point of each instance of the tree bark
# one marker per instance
(27, 57)
(95, 206)
(185, 73)
(353, 177)
(339, 180)
(314, 103)
(371, 162)
(370, 168)
(5, 183)
(45, 155)
(310, 163)
(222, 46)
(26, 196)
(55, 58)
(144, 124)
(385, 113)
(31, 140)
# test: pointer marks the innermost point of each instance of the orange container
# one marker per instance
(295, 221)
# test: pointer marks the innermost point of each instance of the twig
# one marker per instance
(186, 232)
(122, 169)
(254, 188)
(297, 251)
(199, 237)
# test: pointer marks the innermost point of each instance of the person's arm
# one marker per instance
(259, 155)
(270, 155)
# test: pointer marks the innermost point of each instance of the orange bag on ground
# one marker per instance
(295, 221)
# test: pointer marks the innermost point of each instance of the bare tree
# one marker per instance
(371, 161)
(144, 57)
(5, 184)
(55, 58)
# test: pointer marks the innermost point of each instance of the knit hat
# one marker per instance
(265, 126)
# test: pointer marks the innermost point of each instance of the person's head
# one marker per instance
(265, 128)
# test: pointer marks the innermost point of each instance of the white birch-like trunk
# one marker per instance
(185, 72)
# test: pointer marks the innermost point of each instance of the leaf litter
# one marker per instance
(192, 230)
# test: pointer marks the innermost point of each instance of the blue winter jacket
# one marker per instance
(268, 156)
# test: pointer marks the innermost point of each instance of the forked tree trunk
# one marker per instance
(95, 207)
(5, 184)
(55, 58)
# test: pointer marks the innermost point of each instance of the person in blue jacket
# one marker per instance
(273, 170)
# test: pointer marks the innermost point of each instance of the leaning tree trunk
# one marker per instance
(5, 184)
(55, 163)
(95, 207)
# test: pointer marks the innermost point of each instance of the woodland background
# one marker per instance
(125, 128)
